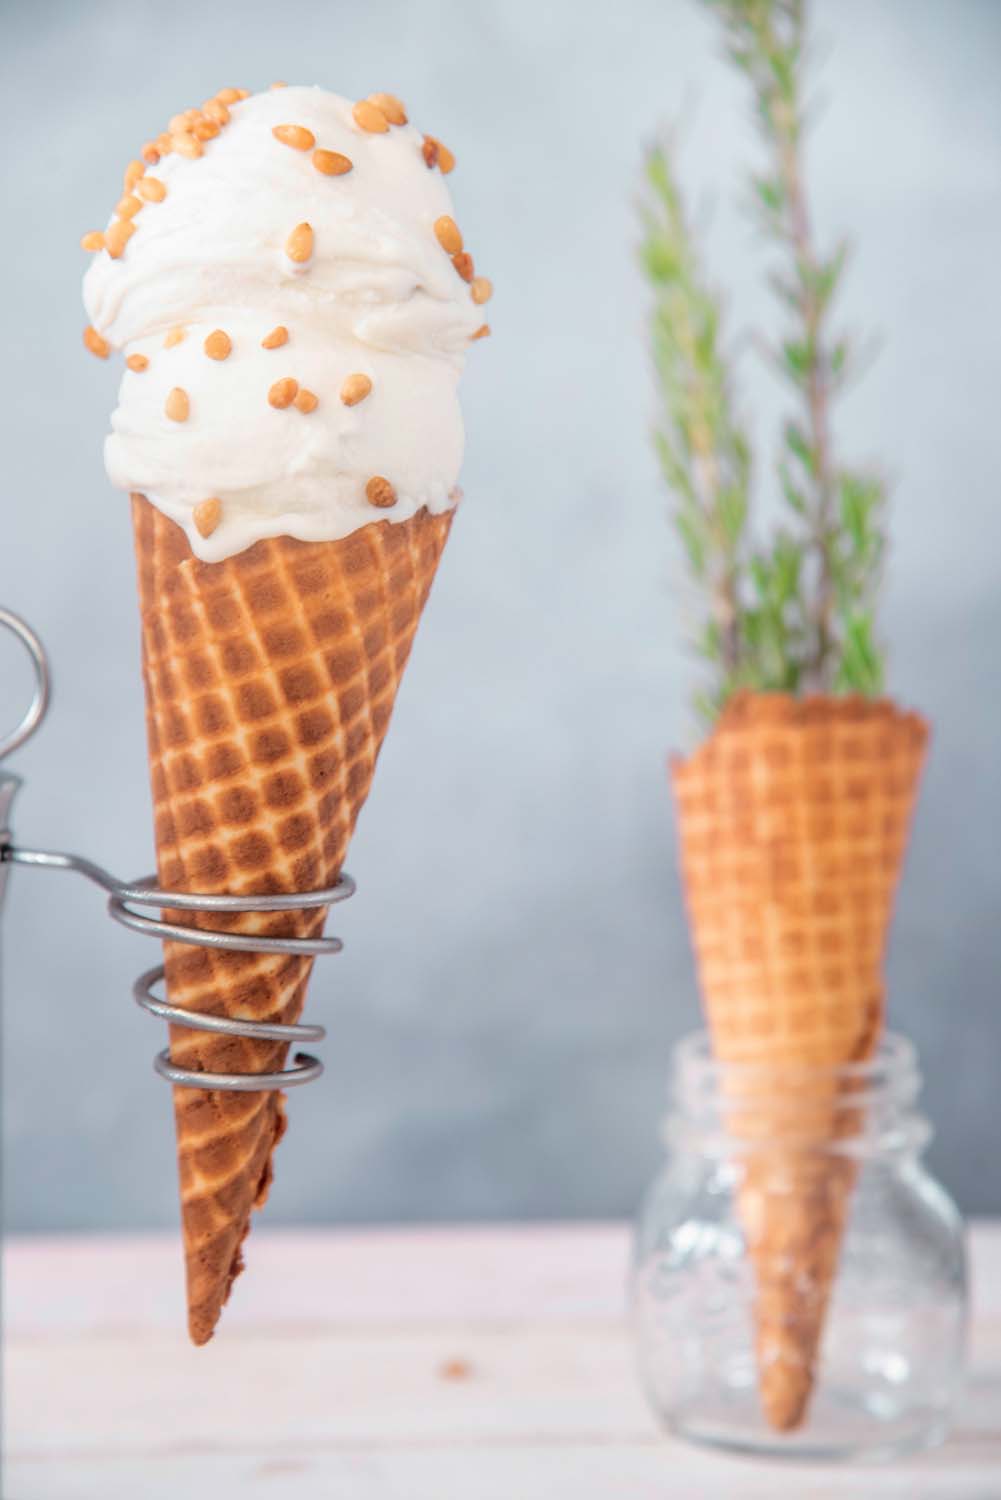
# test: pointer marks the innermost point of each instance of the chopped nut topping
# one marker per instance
(447, 234)
(463, 263)
(206, 129)
(355, 389)
(94, 342)
(92, 240)
(118, 236)
(152, 189)
(275, 338)
(296, 136)
(306, 401)
(216, 110)
(369, 116)
(133, 172)
(230, 96)
(218, 345)
(207, 515)
(177, 335)
(332, 163)
(137, 362)
(299, 245)
(482, 289)
(390, 106)
(437, 155)
(128, 207)
(483, 332)
(177, 405)
(185, 144)
(283, 392)
(380, 493)
(150, 153)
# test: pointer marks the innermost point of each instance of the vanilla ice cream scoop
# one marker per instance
(295, 303)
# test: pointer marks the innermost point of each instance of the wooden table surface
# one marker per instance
(442, 1364)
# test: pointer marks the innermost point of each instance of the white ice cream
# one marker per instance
(379, 297)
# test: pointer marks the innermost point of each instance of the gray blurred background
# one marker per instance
(517, 965)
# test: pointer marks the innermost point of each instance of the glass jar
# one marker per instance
(796, 1200)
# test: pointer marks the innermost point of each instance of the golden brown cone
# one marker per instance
(793, 819)
(270, 679)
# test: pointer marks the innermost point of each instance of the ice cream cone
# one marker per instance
(793, 818)
(270, 679)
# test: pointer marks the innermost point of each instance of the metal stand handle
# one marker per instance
(125, 896)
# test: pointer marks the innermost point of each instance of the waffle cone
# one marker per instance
(270, 679)
(793, 819)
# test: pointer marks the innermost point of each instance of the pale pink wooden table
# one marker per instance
(330, 1377)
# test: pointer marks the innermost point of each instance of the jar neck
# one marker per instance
(856, 1109)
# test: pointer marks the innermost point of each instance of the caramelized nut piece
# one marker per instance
(118, 236)
(380, 493)
(390, 106)
(206, 129)
(446, 161)
(332, 163)
(207, 515)
(150, 153)
(355, 389)
(483, 332)
(482, 289)
(369, 116)
(93, 341)
(463, 263)
(216, 110)
(185, 144)
(429, 151)
(283, 392)
(275, 338)
(299, 245)
(230, 96)
(92, 240)
(177, 335)
(177, 405)
(151, 189)
(296, 136)
(447, 234)
(137, 362)
(128, 207)
(133, 172)
(306, 401)
(218, 345)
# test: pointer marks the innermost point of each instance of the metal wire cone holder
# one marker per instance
(131, 903)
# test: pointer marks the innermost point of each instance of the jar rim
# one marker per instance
(845, 1106)
(893, 1058)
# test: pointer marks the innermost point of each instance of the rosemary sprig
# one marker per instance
(704, 453)
(798, 615)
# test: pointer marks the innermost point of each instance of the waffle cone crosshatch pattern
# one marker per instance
(270, 680)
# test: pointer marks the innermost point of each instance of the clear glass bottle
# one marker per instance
(888, 1368)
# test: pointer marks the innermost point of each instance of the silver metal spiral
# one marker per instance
(124, 897)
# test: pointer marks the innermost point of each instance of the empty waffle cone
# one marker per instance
(270, 679)
(793, 819)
